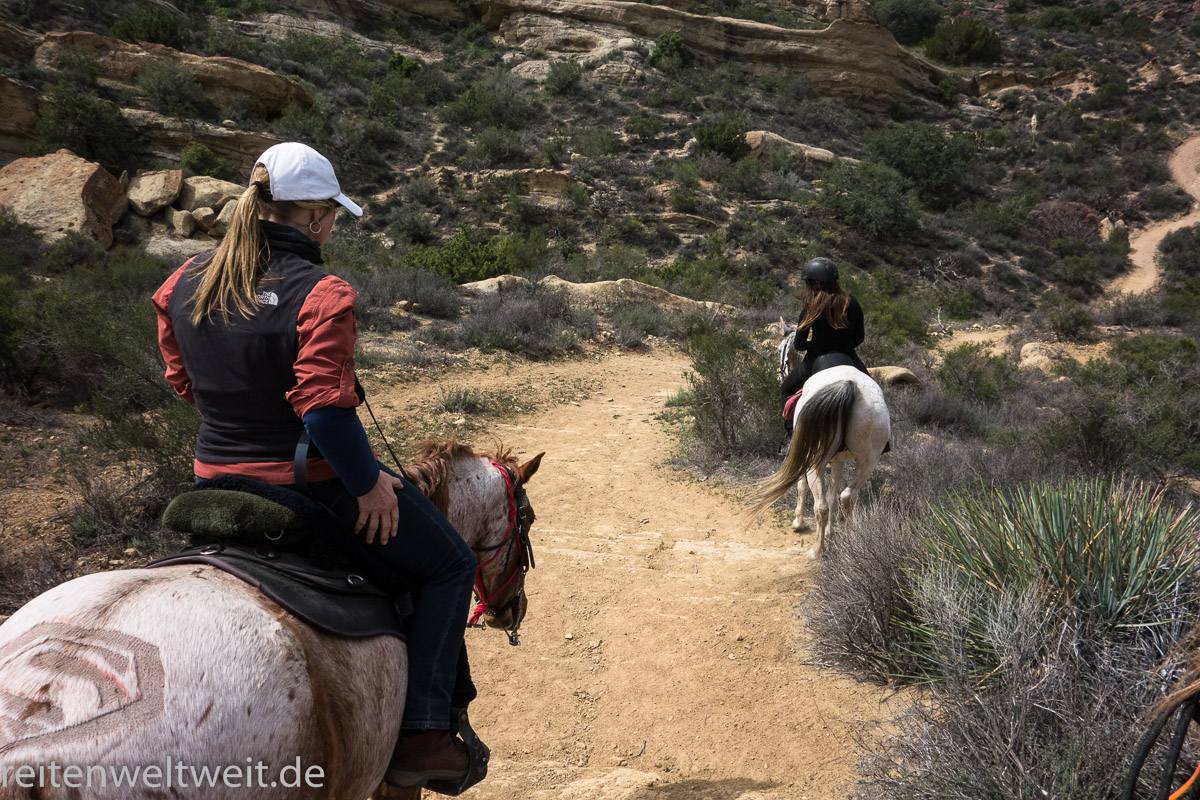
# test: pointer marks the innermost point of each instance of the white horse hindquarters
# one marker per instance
(130, 669)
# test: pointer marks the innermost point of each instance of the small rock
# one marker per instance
(224, 219)
(569, 636)
(132, 552)
(153, 191)
(181, 222)
(205, 218)
(228, 123)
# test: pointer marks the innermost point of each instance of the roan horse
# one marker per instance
(180, 670)
(841, 415)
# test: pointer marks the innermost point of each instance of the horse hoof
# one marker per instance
(814, 554)
(797, 525)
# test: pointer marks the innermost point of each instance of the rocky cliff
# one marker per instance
(852, 57)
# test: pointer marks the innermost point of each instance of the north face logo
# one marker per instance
(268, 298)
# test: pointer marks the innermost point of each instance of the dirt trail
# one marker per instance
(1185, 170)
(655, 617)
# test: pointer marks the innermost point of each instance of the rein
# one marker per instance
(516, 536)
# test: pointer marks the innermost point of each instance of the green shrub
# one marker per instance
(935, 164)
(972, 370)
(151, 23)
(733, 397)
(498, 99)
(565, 79)
(910, 21)
(592, 142)
(726, 137)
(1057, 18)
(173, 90)
(670, 50)
(535, 322)
(75, 118)
(871, 198)
(1112, 84)
(963, 40)
(196, 159)
(646, 128)
(497, 147)
(408, 67)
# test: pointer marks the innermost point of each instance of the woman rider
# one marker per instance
(261, 339)
(831, 322)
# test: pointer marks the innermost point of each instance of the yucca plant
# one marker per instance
(1114, 553)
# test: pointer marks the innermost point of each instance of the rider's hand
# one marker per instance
(378, 510)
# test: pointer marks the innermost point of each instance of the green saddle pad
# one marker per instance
(228, 514)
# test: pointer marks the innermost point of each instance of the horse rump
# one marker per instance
(819, 434)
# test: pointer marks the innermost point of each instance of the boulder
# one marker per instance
(618, 73)
(221, 79)
(761, 142)
(497, 285)
(1040, 356)
(894, 376)
(151, 192)
(535, 70)
(175, 251)
(181, 222)
(606, 295)
(17, 123)
(205, 218)
(542, 185)
(167, 136)
(221, 225)
(62, 192)
(201, 191)
(17, 45)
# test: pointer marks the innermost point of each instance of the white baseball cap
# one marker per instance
(300, 173)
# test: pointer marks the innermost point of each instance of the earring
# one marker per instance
(310, 228)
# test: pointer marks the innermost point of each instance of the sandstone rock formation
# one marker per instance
(543, 185)
(221, 79)
(151, 192)
(995, 80)
(601, 295)
(1040, 355)
(852, 57)
(761, 142)
(181, 222)
(17, 44)
(275, 27)
(19, 102)
(63, 192)
(894, 376)
(167, 136)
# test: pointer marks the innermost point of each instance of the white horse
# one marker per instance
(179, 671)
(841, 416)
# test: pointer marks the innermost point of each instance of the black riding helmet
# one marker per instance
(819, 269)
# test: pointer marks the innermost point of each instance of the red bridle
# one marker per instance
(517, 535)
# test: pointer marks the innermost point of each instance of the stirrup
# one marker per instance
(478, 755)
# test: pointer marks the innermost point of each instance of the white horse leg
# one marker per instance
(835, 481)
(801, 492)
(861, 473)
(816, 477)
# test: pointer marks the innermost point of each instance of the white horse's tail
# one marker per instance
(818, 436)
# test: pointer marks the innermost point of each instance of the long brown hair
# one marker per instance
(828, 299)
(230, 277)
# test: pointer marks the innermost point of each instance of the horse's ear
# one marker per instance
(526, 470)
(782, 328)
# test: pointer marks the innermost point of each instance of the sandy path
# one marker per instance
(654, 617)
(1184, 165)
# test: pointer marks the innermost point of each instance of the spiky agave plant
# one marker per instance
(1114, 554)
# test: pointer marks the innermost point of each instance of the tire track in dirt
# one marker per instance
(655, 616)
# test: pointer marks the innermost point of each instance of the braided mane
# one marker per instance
(431, 473)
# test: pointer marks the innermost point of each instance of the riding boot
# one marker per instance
(887, 447)
(427, 756)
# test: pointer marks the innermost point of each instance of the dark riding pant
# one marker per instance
(796, 379)
(428, 556)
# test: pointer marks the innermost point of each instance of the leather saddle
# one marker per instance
(283, 544)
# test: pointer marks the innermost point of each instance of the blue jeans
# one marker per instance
(429, 556)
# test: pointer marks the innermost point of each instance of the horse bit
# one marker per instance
(517, 536)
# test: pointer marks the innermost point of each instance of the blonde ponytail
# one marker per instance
(230, 276)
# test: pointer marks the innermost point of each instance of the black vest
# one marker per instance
(241, 370)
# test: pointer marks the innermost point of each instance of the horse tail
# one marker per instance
(819, 434)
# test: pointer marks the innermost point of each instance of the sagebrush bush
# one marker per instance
(725, 136)
(936, 165)
(535, 322)
(872, 198)
(972, 370)
(670, 49)
(152, 23)
(732, 396)
(963, 40)
(173, 90)
(910, 21)
(76, 118)
(565, 79)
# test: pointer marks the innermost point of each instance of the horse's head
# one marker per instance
(789, 356)
(484, 498)
(504, 559)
